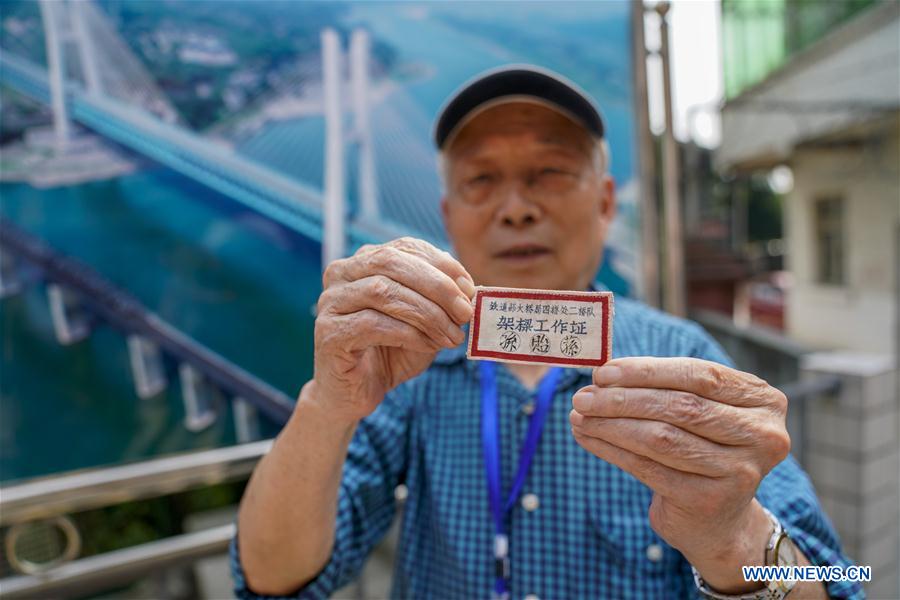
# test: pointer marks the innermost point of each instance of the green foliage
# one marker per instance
(264, 36)
(131, 523)
(764, 217)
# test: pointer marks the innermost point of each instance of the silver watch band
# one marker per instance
(763, 594)
(770, 592)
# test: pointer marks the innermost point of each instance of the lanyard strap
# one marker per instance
(490, 440)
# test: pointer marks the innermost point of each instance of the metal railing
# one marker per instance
(104, 571)
(758, 350)
(56, 496)
(95, 488)
(776, 358)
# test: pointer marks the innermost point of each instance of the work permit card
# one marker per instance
(572, 329)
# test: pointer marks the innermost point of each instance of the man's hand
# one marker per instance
(702, 437)
(383, 315)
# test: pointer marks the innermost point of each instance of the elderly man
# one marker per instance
(656, 475)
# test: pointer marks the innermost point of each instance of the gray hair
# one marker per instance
(601, 157)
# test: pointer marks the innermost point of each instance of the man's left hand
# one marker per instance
(702, 436)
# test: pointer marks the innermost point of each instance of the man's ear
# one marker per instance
(608, 203)
(445, 213)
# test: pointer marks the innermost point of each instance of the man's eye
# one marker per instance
(480, 179)
(553, 171)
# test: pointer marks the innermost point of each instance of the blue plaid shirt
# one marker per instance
(588, 537)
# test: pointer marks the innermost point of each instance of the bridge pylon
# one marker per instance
(147, 367)
(56, 66)
(334, 65)
(334, 237)
(71, 322)
(359, 74)
(10, 282)
(87, 52)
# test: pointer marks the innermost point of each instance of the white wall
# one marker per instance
(860, 315)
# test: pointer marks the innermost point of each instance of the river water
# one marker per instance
(232, 280)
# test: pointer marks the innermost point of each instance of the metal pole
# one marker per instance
(646, 163)
(897, 311)
(333, 236)
(55, 68)
(359, 67)
(674, 281)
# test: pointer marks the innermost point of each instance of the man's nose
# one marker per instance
(517, 209)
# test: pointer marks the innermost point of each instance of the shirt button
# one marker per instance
(654, 552)
(532, 597)
(530, 502)
(400, 493)
(528, 408)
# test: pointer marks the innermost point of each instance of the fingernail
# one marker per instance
(582, 401)
(462, 308)
(456, 334)
(467, 287)
(575, 418)
(607, 375)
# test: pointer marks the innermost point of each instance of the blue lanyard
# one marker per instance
(490, 440)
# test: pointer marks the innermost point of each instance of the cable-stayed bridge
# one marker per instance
(116, 98)
(103, 87)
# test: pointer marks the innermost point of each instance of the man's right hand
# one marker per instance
(383, 315)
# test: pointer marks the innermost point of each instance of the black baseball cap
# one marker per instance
(512, 83)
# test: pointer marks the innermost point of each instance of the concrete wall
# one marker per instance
(861, 314)
(853, 459)
(831, 85)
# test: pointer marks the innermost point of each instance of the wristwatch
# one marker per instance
(779, 552)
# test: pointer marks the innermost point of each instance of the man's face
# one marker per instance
(526, 205)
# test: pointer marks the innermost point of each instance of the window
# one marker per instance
(829, 240)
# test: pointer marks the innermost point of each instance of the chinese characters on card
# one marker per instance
(541, 326)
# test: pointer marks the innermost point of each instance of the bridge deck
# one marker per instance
(290, 202)
(127, 314)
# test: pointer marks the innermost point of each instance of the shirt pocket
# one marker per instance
(629, 545)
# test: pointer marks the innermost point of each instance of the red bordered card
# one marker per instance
(541, 326)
